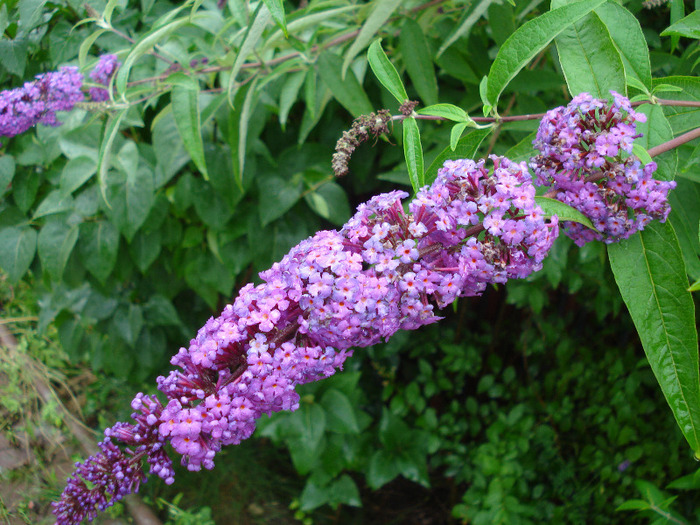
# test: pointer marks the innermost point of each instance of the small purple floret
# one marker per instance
(586, 157)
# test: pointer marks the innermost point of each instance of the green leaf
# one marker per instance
(448, 111)
(55, 243)
(413, 152)
(98, 246)
(128, 322)
(627, 35)
(87, 44)
(685, 218)
(688, 27)
(385, 71)
(418, 61)
(17, 249)
(251, 39)
(280, 195)
(109, 9)
(382, 469)
(131, 196)
(249, 102)
(380, 13)
(276, 8)
(466, 149)
(330, 202)
(531, 38)
(589, 59)
(185, 107)
(143, 46)
(288, 95)
(7, 172)
(634, 504)
(652, 279)
(347, 91)
(103, 157)
(456, 134)
(682, 119)
(145, 248)
(13, 55)
(563, 211)
(465, 23)
(657, 130)
(54, 202)
(77, 172)
(30, 12)
(340, 414)
(159, 311)
(308, 424)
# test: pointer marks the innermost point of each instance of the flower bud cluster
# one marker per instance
(586, 157)
(37, 102)
(384, 271)
(105, 68)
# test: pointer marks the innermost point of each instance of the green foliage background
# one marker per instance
(141, 218)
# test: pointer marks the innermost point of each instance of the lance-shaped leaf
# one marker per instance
(276, 8)
(466, 149)
(466, 22)
(381, 11)
(103, 157)
(651, 275)
(419, 64)
(413, 151)
(144, 45)
(251, 39)
(185, 104)
(347, 91)
(626, 34)
(589, 59)
(563, 211)
(385, 71)
(531, 38)
(688, 27)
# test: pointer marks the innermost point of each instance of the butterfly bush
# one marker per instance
(105, 68)
(385, 270)
(586, 157)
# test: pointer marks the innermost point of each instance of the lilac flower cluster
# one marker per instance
(105, 68)
(37, 102)
(586, 156)
(384, 271)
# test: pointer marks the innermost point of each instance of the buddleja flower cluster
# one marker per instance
(106, 66)
(37, 102)
(385, 270)
(585, 155)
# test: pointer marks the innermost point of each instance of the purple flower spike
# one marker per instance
(385, 270)
(586, 157)
(37, 102)
(105, 68)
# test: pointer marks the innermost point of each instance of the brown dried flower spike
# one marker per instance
(362, 128)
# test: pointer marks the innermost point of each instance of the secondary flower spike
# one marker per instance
(586, 156)
(385, 270)
(37, 102)
(105, 68)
